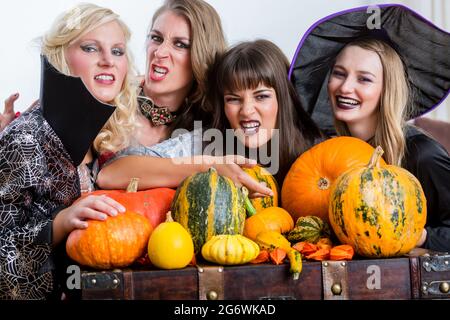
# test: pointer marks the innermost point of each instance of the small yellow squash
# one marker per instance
(170, 245)
(230, 250)
(270, 240)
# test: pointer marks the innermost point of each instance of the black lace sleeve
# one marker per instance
(25, 232)
(430, 163)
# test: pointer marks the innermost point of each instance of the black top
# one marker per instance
(37, 179)
(429, 162)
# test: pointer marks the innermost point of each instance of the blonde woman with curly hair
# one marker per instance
(41, 149)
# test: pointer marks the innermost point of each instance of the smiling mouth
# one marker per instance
(105, 78)
(347, 103)
(250, 128)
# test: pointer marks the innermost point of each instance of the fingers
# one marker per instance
(79, 224)
(89, 213)
(254, 195)
(113, 203)
(9, 104)
(254, 186)
(103, 204)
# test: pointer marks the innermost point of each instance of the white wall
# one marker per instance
(282, 21)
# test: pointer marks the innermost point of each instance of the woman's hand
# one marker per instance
(231, 167)
(74, 217)
(423, 238)
(8, 114)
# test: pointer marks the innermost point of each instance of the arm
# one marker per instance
(154, 172)
(430, 163)
(25, 233)
(28, 232)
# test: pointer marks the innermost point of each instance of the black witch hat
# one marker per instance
(72, 111)
(423, 47)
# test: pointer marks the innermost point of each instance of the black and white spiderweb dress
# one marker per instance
(37, 179)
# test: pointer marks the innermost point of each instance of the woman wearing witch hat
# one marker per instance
(40, 151)
(370, 81)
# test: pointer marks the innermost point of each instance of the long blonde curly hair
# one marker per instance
(67, 29)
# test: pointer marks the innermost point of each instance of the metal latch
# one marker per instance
(100, 280)
(210, 282)
(435, 275)
(335, 280)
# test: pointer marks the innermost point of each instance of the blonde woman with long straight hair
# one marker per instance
(377, 78)
(41, 149)
(388, 131)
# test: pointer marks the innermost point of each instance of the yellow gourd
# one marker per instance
(230, 250)
(295, 261)
(170, 246)
(270, 240)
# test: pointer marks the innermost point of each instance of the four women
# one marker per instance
(189, 77)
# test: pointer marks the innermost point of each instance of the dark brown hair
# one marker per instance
(246, 66)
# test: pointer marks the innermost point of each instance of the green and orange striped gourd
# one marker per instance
(309, 229)
(261, 174)
(208, 204)
(379, 210)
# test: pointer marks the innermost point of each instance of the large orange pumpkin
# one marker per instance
(152, 203)
(113, 243)
(306, 188)
(379, 211)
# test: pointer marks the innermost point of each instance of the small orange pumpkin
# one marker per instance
(270, 219)
(306, 188)
(113, 243)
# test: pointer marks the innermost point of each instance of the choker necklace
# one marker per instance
(157, 115)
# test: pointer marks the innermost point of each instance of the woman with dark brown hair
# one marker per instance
(252, 95)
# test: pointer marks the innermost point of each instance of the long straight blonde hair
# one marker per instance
(67, 29)
(393, 109)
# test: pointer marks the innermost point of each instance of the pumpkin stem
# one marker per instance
(375, 159)
(133, 185)
(169, 216)
(251, 211)
(323, 183)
